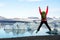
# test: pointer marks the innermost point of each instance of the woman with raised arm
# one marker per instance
(43, 19)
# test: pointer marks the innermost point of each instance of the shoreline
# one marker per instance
(49, 37)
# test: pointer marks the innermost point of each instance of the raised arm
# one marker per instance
(46, 10)
(40, 11)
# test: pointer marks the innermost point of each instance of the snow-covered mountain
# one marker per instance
(2, 18)
(22, 19)
(31, 19)
(5, 19)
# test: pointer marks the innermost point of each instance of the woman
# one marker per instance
(43, 19)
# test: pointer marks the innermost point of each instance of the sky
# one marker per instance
(28, 8)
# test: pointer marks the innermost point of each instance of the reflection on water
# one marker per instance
(15, 31)
(24, 29)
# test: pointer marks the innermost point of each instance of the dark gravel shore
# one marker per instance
(54, 37)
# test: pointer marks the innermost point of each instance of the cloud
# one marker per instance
(55, 9)
(2, 4)
(34, 0)
(31, 0)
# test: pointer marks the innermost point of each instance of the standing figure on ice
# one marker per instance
(43, 19)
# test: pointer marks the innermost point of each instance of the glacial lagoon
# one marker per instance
(22, 30)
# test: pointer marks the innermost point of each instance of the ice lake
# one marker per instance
(22, 30)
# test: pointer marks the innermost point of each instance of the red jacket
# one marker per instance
(41, 14)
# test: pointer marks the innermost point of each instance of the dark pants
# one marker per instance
(45, 22)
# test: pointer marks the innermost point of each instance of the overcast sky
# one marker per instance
(28, 8)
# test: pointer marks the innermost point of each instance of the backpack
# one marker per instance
(43, 15)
